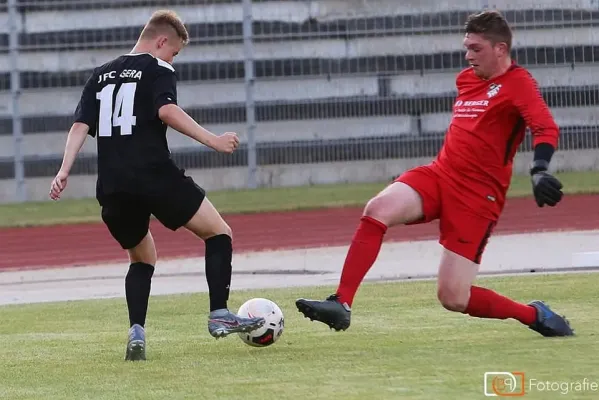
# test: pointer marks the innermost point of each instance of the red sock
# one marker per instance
(485, 303)
(362, 254)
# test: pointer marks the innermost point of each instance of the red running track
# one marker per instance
(58, 245)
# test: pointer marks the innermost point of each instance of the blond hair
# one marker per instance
(165, 21)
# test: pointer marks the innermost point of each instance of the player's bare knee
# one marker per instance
(144, 252)
(452, 298)
(226, 230)
(383, 209)
(373, 208)
(207, 222)
(393, 207)
(143, 257)
(219, 228)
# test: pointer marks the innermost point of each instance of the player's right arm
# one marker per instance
(86, 116)
(165, 103)
(75, 141)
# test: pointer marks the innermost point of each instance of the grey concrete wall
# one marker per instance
(296, 175)
(63, 101)
(52, 61)
(295, 11)
(193, 94)
(47, 144)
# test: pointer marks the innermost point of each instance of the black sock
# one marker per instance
(137, 290)
(219, 254)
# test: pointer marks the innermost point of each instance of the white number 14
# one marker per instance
(122, 114)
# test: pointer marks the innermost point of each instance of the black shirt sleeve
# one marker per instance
(164, 88)
(87, 109)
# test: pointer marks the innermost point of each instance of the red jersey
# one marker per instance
(487, 127)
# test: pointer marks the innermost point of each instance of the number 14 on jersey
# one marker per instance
(118, 114)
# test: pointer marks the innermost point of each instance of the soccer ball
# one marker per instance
(272, 329)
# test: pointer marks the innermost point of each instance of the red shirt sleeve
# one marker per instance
(532, 107)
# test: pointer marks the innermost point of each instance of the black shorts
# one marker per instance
(127, 215)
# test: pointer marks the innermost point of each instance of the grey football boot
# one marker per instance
(136, 347)
(223, 322)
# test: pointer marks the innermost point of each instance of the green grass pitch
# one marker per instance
(402, 345)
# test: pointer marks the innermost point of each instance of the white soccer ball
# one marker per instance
(272, 329)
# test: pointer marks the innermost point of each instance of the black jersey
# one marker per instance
(120, 103)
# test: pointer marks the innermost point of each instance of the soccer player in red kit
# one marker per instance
(464, 187)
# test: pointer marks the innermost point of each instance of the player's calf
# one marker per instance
(457, 293)
(208, 225)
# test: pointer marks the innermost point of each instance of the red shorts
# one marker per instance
(461, 230)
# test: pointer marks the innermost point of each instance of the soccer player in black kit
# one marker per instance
(127, 105)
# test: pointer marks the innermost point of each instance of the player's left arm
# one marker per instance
(85, 121)
(165, 104)
(545, 136)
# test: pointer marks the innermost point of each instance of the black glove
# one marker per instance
(545, 187)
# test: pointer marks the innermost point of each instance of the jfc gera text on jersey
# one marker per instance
(126, 73)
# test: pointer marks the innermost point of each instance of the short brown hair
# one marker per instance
(163, 20)
(492, 25)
